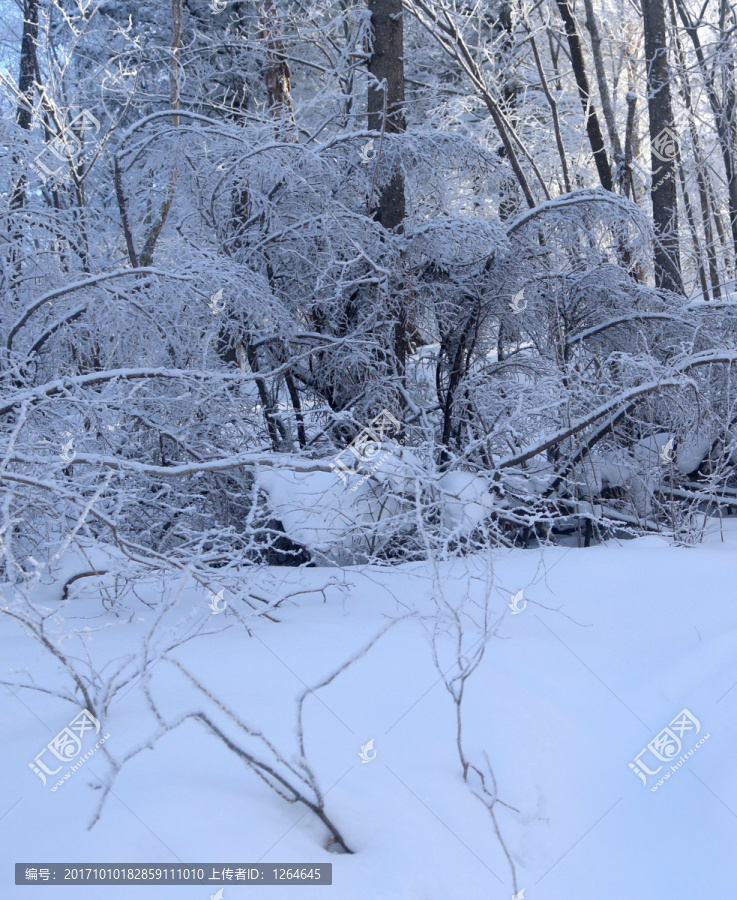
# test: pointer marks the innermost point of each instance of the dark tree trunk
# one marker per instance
(386, 64)
(27, 64)
(386, 114)
(727, 26)
(277, 74)
(26, 78)
(386, 91)
(593, 128)
(664, 149)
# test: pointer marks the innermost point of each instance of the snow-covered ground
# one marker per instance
(610, 645)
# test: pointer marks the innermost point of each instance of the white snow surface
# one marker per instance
(613, 642)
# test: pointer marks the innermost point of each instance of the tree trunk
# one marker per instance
(26, 77)
(724, 127)
(691, 219)
(553, 104)
(698, 158)
(725, 52)
(386, 92)
(629, 143)
(664, 149)
(606, 99)
(277, 74)
(386, 114)
(27, 73)
(593, 128)
(146, 257)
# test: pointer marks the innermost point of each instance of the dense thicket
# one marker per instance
(232, 234)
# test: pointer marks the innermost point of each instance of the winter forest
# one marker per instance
(368, 448)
